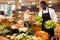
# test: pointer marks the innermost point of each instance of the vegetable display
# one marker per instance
(42, 34)
(50, 24)
(27, 37)
(3, 30)
(38, 18)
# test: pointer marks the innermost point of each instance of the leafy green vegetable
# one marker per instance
(49, 24)
(20, 36)
(27, 37)
(2, 27)
(3, 30)
(38, 19)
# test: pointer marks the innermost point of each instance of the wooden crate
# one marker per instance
(36, 26)
(36, 29)
(5, 23)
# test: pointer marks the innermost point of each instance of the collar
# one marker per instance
(46, 9)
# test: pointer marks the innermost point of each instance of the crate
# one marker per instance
(36, 26)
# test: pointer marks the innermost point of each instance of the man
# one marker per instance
(47, 14)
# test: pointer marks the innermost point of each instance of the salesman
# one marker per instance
(47, 14)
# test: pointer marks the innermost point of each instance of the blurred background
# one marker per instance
(9, 6)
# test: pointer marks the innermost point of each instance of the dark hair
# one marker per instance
(43, 2)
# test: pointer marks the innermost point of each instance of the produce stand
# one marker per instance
(27, 33)
(34, 32)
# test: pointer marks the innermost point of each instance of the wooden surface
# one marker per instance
(36, 26)
(5, 22)
(3, 38)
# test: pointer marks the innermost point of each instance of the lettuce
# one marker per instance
(49, 24)
(3, 30)
(38, 18)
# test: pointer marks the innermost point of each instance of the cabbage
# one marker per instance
(49, 24)
(38, 18)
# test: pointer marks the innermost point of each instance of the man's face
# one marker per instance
(43, 6)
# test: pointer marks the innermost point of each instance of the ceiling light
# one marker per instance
(50, 1)
(22, 4)
(20, 1)
(9, 2)
(33, 3)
